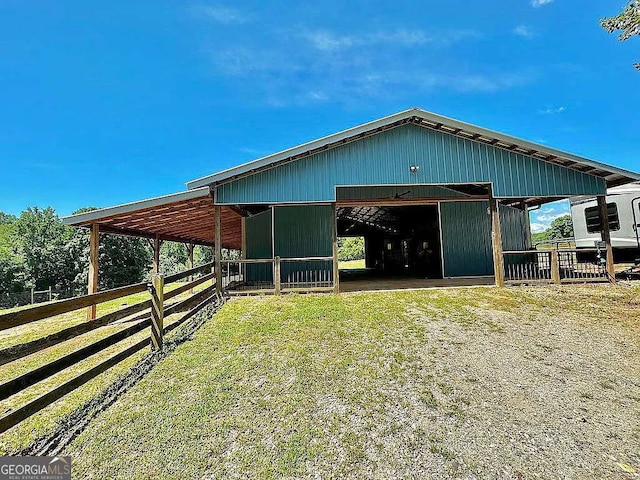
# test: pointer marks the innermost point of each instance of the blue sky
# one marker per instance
(104, 103)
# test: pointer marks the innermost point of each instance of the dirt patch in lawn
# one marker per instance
(465, 383)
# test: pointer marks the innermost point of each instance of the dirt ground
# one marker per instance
(472, 383)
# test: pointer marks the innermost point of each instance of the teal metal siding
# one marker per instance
(513, 225)
(389, 191)
(258, 240)
(466, 236)
(303, 231)
(384, 159)
(466, 239)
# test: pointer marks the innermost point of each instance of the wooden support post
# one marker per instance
(496, 241)
(190, 248)
(605, 234)
(276, 275)
(156, 255)
(94, 243)
(157, 311)
(336, 272)
(555, 266)
(243, 247)
(218, 247)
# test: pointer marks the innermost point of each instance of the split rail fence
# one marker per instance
(150, 313)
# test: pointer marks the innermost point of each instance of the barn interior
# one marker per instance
(400, 241)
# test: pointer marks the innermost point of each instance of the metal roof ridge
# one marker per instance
(267, 161)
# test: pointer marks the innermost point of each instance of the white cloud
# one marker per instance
(538, 227)
(540, 3)
(524, 31)
(298, 66)
(541, 219)
(222, 14)
(326, 40)
(552, 110)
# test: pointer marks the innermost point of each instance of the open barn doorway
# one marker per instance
(401, 243)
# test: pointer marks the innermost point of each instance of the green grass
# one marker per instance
(351, 264)
(316, 385)
(45, 420)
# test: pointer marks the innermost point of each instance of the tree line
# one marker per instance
(561, 227)
(38, 251)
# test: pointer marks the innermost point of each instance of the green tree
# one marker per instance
(121, 260)
(173, 257)
(561, 227)
(350, 248)
(627, 22)
(11, 264)
(41, 241)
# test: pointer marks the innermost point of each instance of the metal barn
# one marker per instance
(437, 201)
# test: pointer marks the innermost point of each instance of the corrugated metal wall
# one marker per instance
(385, 158)
(304, 231)
(389, 191)
(258, 240)
(466, 239)
(514, 224)
(466, 236)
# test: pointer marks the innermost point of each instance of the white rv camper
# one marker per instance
(623, 206)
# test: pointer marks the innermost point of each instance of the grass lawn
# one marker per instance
(45, 420)
(459, 383)
(351, 264)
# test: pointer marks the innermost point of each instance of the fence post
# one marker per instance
(276, 274)
(32, 288)
(555, 266)
(50, 293)
(157, 311)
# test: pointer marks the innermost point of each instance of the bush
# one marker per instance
(350, 248)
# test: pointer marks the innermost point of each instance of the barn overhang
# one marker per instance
(186, 217)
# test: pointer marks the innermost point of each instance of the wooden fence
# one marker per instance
(555, 266)
(155, 307)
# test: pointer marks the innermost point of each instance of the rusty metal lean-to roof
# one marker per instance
(182, 217)
(613, 175)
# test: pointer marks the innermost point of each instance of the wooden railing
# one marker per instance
(156, 309)
(277, 275)
(555, 266)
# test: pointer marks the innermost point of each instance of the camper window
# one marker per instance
(592, 218)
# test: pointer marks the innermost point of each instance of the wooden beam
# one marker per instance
(606, 234)
(94, 245)
(218, 247)
(496, 241)
(336, 271)
(157, 244)
(190, 248)
(157, 311)
(243, 232)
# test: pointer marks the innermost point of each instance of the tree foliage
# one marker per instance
(561, 227)
(627, 22)
(37, 250)
(41, 241)
(350, 248)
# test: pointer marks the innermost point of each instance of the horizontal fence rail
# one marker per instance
(555, 266)
(136, 322)
(277, 275)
